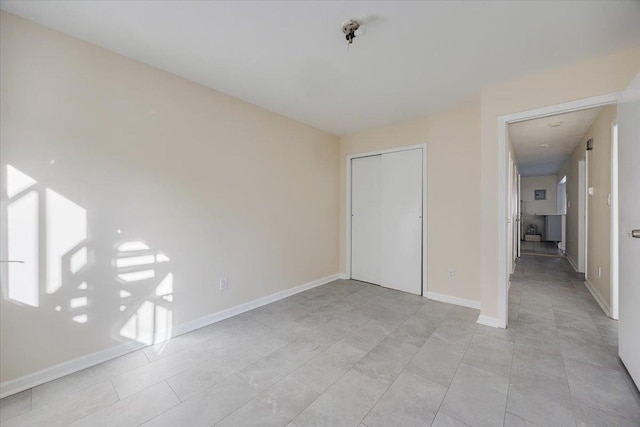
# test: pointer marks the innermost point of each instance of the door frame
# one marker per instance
(424, 206)
(503, 122)
(614, 246)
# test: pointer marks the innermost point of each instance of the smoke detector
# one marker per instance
(352, 28)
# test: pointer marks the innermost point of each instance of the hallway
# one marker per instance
(565, 353)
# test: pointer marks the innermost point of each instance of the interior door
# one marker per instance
(366, 219)
(401, 237)
(629, 228)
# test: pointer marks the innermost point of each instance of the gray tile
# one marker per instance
(511, 420)
(465, 313)
(323, 370)
(69, 408)
(208, 407)
(198, 378)
(345, 403)
(416, 330)
(540, 397)
(385, 362)
(368, 335)
(476, 397)
(444, 420)
(490, 354)
(435, 361)
(134, 410)
(602, 388)
(14, 405)
(145, 376)
(410, 401)
(274, 407)
(73, 383)
(587, 416)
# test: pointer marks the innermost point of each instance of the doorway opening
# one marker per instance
(505, 249)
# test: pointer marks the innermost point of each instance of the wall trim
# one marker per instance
(596, 295)
(493, 322)
(453, 300)
(344, 276)
(573, 263)
(37, 378)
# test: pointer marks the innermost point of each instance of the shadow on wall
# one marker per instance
(49, 235)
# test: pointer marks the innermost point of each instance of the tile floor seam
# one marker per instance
(453, 376)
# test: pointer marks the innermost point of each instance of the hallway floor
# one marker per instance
(540, 248)
(350, 354)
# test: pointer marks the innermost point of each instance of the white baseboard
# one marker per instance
(494, 322)
(453, 300)
(34, 379)
(573, 263)
(343, 276)
(596, 295)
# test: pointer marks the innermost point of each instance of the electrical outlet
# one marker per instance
(224, 284)
(599, 271)
(452, 273)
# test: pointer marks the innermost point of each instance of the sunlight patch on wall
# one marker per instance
(17, 181)
(22, 244)
(150, 324)
(66, 228)
(135, 261)
(133, 246)
(82, 318)
(136, 276)
(78, 260)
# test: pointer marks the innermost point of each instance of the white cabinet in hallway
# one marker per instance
(386, 219)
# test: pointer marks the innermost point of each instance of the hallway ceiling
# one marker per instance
(291, 57)
(527, 136)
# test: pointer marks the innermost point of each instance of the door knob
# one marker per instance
(635, 234)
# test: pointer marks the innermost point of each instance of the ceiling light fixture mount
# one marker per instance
(352, 28)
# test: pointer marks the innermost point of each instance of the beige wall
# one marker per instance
(570, 169)
(453, 192)
(221, 187)
(598, 209)
(596, 76)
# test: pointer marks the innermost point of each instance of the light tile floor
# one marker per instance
(352, 354)
(540, 248)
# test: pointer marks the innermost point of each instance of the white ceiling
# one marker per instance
(291, 57)
(527, 136)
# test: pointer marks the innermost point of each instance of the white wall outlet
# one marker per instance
(599, 271)
(451, 273)
(224, 284)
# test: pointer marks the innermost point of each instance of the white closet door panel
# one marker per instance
(401, 239)
(366, 201)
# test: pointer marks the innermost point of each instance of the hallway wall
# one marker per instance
(598, 208)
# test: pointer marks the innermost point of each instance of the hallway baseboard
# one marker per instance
(37, 378)
(573, 263)
(493, 322)
(453, 300)
(596, 295)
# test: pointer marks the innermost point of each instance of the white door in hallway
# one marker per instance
(386, 220)
(629, 228)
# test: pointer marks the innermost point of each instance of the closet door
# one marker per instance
(401, 212)
(366, 218)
